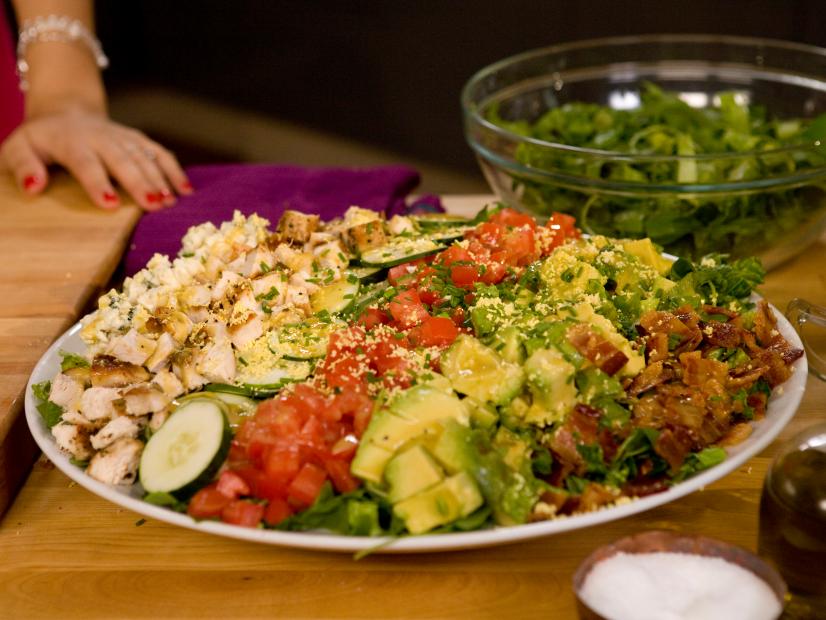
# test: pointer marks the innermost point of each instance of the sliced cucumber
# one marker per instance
(237, 406)
(370, 295)
(244, 391)
(187, 451)
(303, 341)
(447, 234)
(400, 252)
(368, 274)
(336, 297)
(440, 220)
(277, 374)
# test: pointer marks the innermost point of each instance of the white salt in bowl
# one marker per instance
(661, 546)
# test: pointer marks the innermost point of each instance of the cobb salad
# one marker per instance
(423, 374)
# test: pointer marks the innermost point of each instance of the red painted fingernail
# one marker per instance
(153, 197)
(30, 181)
(166, 194)
(110, 197)
(187, 186)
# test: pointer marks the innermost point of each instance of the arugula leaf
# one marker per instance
(72, 360)
(41, 390)
(166, 500)
(50, 412)
(714, 280)
(698, 461)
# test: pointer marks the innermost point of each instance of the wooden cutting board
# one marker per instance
(57, 251)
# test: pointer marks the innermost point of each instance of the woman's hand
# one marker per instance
(94, 150)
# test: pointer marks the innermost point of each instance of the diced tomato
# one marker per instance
(510, 217)
(407, 309)
(307, 398)
(261, 485)
(454, 254)
(435, 331)
(343, 372)
(345, 447)
(277, 511)
(372, 317)
(361, 420)
(429, 296)
(564, 223)
(403, 275)
(457, 315)
(339, 472)
(282, 465)
(519, 246)
(232, 485)
(305, 487)
(207, 503)
(464, 275)
(242, 512)
(494, 272)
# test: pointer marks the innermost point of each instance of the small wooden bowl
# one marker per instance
(672, 542)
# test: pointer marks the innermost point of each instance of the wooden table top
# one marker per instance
(65, 551)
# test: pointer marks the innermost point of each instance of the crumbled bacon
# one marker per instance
(651, 376)
(596, 348)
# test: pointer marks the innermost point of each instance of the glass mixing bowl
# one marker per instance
(772, 203)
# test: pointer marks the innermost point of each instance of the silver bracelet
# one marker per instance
(55, 28)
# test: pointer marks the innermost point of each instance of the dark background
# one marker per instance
(387, 73)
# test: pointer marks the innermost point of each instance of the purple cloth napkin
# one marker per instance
(268, 190)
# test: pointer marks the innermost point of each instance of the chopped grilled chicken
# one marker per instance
(145, 398)
(184, 369)
(79, 373)
(196, 295)
(399, 224)
(365, 236)
(198, 314)
(169, 383)
(117, 463)
(78, 419)
(296, 227)
(318, 238)
(243, 333)
(66, 392)
(109, 372)
(258, 261)
(243, 307)
(73, 439)
(331, 255)
(270, 288)
(132, 347)
(166, 346)
(227, 280)
(177, 324)
(118, 428)
(157, 419)
(284, 254)
(98, 403)
(216, 362)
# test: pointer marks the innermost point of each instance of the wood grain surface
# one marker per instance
(57, 251)
(65, 552)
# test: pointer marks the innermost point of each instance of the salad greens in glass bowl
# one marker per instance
(701, 143)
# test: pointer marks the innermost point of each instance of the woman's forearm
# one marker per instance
(62, 75)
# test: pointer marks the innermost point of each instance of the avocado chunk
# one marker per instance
(423, 403)
(411, 472)
(648, 254)
(453, 448)
(478, 371)
(551, 381)
(451, 499)
(413, 414)
(508, 342)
